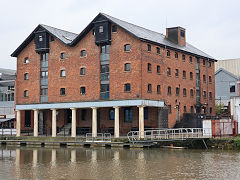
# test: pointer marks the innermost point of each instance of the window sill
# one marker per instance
(127, 91)
(168, 56)
(176, 76)
(184, 96)
(26, 97)
(26, 63)
(159, 73)
(126, 71)
(169, 94)
(26, 79)
(82, 75)
(127, 51)
(149, 71)
(149, 92)
(83, 56)
(63, 77)
(169, 75)
(81, 94)
(62, 95)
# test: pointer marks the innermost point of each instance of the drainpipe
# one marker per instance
(207, 89)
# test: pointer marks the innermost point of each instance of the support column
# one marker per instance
(18, 123)
(94, 122)
(35, 130)
(116, 122)
(54, 123)
(141, 121)
(73, 122)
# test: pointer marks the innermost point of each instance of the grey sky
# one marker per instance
(212, 26)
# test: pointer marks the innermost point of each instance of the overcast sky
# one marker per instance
(212, 26)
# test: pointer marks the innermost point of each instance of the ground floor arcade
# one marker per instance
(116, 117)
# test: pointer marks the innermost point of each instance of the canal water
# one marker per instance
(102, 163)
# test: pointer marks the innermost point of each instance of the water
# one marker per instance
(101, 163)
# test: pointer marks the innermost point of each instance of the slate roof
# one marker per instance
(141, 33)
(227, 72)
(65, 36)
(153, 36)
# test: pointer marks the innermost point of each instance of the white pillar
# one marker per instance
(53, 157)
(18, 123)
(73, 155)
(54, 123)
(116, 122)
(94, 122)
(73, 122)
(141, 121)
(35, 130)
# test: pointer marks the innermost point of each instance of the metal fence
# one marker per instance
(101, 137)
(224, 127)
(8, 132)
(166, 134)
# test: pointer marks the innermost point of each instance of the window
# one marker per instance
(149, 47)
(184, 74)
(190, 59)
(26, 60)
(210, 79)
(184, 109)
(62, 91)
(114, 28)
(158, 69)
(184, 92)
(83, 114)
(192, 110)
(210, 95)
(149, 88)
(204, 62)
(209, 64)
(210, 110)
(111, 114)
(168, 53)
(204, 94)
(127, 67)
(104, 68)
(44, 74)
(26, 76)
(169, 71)
(82, 90)
(63, 73)
(158, 89)
(128, 114)
(158, 50)
(104, 88)
(40, 38)
(169, 109)
(232, 87)
(25, 93)
(176, 55)
(52, 38)
(177, 91)
(83, 71)
(83, 53)
(149, 67)
(127, 47)
(100, 29)
(183, 57)
(105, 49)
(63, 56)
(169, 90)
(182, 33)
(127, 87)
(191, 76)
(145, 113)
(176, 72)
(44, 57)
(204, 78)
(44, 91)
(191, 93)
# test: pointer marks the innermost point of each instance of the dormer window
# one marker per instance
(100, 29)
(40, 38)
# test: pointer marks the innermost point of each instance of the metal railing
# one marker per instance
(168, 134)
(101, 137)
(8, 132)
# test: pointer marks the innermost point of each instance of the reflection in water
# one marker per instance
(101, 163)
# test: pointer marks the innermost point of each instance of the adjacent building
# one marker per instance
(112, 77)
(7, 87)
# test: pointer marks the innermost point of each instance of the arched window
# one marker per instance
(127, 47)
(83, 53)
(63, 73)
(83, 71)
(26, 77)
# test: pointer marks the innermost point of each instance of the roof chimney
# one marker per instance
(176, 35)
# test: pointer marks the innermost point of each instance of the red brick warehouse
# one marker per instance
(112, 77)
